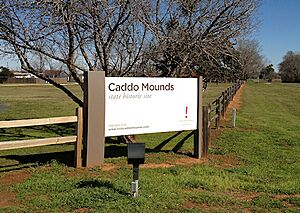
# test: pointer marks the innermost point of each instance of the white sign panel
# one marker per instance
(147, 105)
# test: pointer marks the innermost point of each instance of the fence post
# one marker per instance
(79, 133)
(218, 113)
(223, 104)
(235, 88)
(233, 117)
(227, 97)
(209, 123)
(225, 101)
(205, 131)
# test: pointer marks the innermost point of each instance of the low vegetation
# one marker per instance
(252, 168)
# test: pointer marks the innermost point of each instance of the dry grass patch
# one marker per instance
(8, 199)
(14, 177)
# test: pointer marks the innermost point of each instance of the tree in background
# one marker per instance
(198, 36)
(289, 69)
(267, 73)
(249, 58)
(126, 38)
(5, 74)
(77, 35)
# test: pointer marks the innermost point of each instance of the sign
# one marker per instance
(147, 105)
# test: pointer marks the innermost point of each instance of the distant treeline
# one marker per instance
(289, 69)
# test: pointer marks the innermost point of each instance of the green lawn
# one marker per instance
(213, 91)
(252, 168)
(40, 101)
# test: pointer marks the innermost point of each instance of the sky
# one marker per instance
(279, 29)
(277, 33)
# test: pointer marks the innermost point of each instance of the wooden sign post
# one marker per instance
(129, 93)
(95, 118)
(198, 139)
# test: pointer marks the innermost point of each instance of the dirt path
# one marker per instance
(227, 161)
(7, 196)
(236, 102)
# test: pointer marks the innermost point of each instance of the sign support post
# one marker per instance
(135, 95)
(95, 143)
(198, 139)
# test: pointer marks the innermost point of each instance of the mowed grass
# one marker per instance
(42, 101)
(35, 101)
(252, 168)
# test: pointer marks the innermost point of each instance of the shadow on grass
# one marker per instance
(16, 134)
(177, 147)
(165, 142)
(36, 132)
(66, 158)
(57, 129)
(100, 184)
(15, 167)
(112, 151)
(180, 143)
(110, 140)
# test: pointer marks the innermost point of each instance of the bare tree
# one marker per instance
(197, 35)
(124, 38)
(80, 35)
(37, 30)
(250, 58)
(160, 38)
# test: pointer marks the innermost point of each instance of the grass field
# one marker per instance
(21, 102)
(252, 168)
